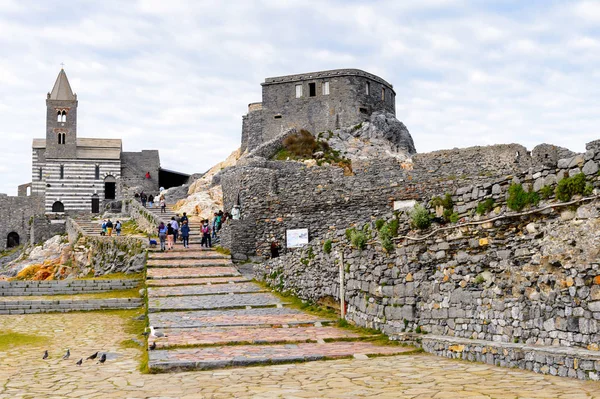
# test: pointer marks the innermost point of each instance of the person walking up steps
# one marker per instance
(162, 235)
(185, 233)
(150, 201)
(143, 198)
(109, 227)
(163, 204)
(206, 234)
(118, 226)
(169, 237)
(175, 227)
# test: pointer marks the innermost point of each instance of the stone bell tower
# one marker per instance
(61, 120)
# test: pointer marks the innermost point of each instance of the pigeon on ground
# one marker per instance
(153, 346)
(67, 355)
(102, 358)
(157, 334)
(92, 357)
(146, 333)
(79, 362)
(45, 355)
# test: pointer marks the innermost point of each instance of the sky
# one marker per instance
(178, 75)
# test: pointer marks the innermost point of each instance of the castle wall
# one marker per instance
(346, 104)
(276, 196)
(15, 214)
(134, 166)
(252, 128)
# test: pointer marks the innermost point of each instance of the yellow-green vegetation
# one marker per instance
(10, 339)
(133, 326)
(116, 276)
(327, 246)
(358, 238)
(570, 186)
(518, 198)
(222, 250)
(130, 227)
(8, 252)
(485, 207)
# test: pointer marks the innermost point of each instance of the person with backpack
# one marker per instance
(184, 218)
(103, 232)
(206, 242)
(118, 227)
(185, 234)
(143, 198)
(109, 227)
(151, 201)
(170, 236)
(162, 235)
(175, 227)
(215, 225)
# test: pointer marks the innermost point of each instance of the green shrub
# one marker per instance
(327, 246)
(394, 224)
(420, 217)
(453, 217)
(301, 144)
(485, 207)
(518, 198)
(570, 186)
(385, 237)
(546, 192)
(379, 224)
(588, 190)
(358, 238)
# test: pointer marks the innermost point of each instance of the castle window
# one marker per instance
(40, 174)
(64, 117)
(62, 171)
(382, 94)
(312, 89)
(277, 117)
(363, 110)
(58, 116)
(325, 88)
(61, 138)
(97, 173)
(368, 88)
(298, 91)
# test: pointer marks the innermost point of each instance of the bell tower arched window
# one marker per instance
(58, 116)
(62, 138)
(63, 116)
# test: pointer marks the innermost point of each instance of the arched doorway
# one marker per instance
(12, 240)
(58, 207)
(110, 187)
(95, 204)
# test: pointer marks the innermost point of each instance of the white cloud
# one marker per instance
(178, 75)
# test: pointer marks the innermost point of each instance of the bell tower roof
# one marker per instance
(62, 88)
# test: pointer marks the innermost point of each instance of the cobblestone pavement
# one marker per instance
(195, 281)
(211, 301)
(204, 289)
(187, 262)
(23, 373)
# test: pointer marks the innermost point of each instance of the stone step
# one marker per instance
(179, 248)
(267, 317)
(189, 254)
(188, 290)
(246, 355)
(171, 282)
(185, 263)
(191, 272)
(208, 302)
(250, 335)
(67, 305)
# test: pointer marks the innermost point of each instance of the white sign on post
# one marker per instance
(296, 238)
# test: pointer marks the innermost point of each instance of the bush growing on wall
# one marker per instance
(570, 186)
(518, 198)
(485, 207)
(420, 217)
(357, 238)
(327, 246)
(301, 144)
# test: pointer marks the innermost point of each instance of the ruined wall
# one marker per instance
(15, 214)
(134, 166)
(252, 127)
(275, 196)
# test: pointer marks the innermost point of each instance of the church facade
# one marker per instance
(79, 174)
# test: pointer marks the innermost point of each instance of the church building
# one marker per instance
(80, 174)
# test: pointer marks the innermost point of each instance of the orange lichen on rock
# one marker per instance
(39, 271)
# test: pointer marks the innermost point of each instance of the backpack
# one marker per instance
(205, 229)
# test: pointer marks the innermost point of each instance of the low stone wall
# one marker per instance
(44, 228)
(104, 255)
(67, 305)
(63, 287)
(146, 220)
(564, 362)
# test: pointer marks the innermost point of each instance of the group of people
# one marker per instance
(177, 227)
(149, 201)
(108, 226)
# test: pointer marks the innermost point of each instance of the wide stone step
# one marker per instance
(191, 272)
(194, 247)
(188, 290)
(250, 335)
(271, 317)
(245, 355)
(67, 305)
(183, 263)
(171, 282)
(212, 302)
(189, 254)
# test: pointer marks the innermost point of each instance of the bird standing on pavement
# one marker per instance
(67, 355)
(92, 357)
(102, 358)
(157, 334)
(45, 355)
(79, 362)
(153, 346)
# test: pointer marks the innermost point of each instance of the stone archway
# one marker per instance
(12, 240)
(110, 187)
(58, 207)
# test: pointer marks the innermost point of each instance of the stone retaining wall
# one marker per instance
(62, 287)
(67, 305)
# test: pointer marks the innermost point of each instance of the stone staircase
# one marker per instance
(213, 317)
(194, 222)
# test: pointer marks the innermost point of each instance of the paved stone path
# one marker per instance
(23, 373)
(188, 315)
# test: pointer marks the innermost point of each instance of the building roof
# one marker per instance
(324, 74)
(62, 88)
(91, 148)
